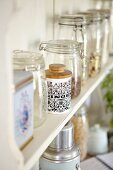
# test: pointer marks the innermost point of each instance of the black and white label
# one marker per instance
(59, 95)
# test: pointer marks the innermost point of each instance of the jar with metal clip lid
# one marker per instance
(33, 62)
(107, 5)
(96, 45)
(105, 13)
(78, 26)
(65, 52)
(106, 35)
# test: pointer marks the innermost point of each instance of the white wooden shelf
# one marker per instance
(54, 123)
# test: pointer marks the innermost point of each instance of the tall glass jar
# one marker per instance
(34, 62)
(78, 29)
(96, 44)
(106, 35)
(80, 123)
(105, 14)
(65, 52)
(107, 4)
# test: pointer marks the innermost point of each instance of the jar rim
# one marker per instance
(100, 13)
(97, 16)
(61, 46)
(75, 20)
(27, 60)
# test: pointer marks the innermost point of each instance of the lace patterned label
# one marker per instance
(59, 95)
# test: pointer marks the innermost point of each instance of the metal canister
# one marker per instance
(62, 152)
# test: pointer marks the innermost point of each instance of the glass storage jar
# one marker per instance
(106, 35)
(77, 27)
(96, 44)
(80, 123)
(65, 52)
(107, 4)
(34, 62)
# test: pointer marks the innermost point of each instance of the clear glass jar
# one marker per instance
(77, 27)
(96, 44)
(105, 37)
(65, 52)
(107, 4)
(34, 62)
(80, 123)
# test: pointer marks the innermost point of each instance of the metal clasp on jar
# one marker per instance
(42, 46)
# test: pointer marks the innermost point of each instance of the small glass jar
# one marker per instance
(65, 52)
(108, 5)
(34, 62)
(77, 27)
(80, 123)
(96, 45)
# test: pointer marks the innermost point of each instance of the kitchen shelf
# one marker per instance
(54, 123)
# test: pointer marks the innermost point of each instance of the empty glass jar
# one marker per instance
(106, 35)
(107, 4)
(77, 27)
(34, 62)
(65, 52)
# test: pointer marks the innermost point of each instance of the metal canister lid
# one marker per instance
(62, 155)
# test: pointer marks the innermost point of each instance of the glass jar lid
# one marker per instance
(74, 20)
(96, 15)
(89, 15)
(61, 46)
(104, 12)
(27, 60)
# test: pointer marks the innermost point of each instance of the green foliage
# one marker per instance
(107, 86)
(111, 123)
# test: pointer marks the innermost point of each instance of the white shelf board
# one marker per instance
(54, 123)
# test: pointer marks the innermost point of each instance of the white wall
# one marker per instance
(32, 21)
(23, 24)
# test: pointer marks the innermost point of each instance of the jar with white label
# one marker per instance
(59, 88)
(65, 52)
